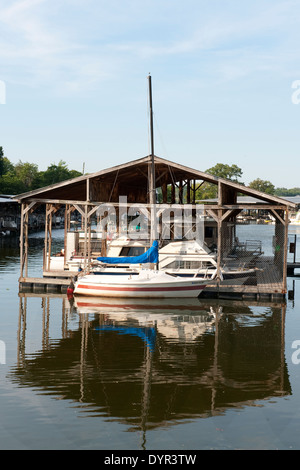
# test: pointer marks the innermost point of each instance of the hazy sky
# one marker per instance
(74, 83)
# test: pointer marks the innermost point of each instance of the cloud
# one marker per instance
(77, 44)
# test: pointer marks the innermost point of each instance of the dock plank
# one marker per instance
(44, 281)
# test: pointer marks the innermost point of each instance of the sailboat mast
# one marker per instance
(151, 169)
(151, 118)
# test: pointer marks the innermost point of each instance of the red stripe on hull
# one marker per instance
(141, 289)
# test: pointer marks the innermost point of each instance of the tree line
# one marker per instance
(234, 173)
(23, 176)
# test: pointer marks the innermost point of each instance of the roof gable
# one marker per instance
(132, 176)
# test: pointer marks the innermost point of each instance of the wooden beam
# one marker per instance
(212, 213)
(254, 206)
(277, 216)
(227, 214)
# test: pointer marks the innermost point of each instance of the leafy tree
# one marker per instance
(8, 167)
(22, 177)
(57, 173)
(220, 170)
(27, 173)
(287, 192)
(229, 172)
(11, 184)
(262, 185)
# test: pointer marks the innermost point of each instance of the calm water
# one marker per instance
(200, 375)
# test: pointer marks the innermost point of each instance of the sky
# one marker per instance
(225, 83)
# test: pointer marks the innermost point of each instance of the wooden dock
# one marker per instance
(52, 282)
(266, 284)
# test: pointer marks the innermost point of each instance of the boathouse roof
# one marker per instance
(131, 179)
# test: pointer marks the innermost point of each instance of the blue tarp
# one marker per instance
(151, 256)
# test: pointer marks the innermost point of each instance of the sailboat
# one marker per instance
(148, 283)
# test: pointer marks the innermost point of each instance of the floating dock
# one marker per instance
(55, 282)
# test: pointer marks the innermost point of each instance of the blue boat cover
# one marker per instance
(151, 256)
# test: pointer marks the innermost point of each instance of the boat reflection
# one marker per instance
(182, 319)
(155, 365)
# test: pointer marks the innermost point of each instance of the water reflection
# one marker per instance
(151, 366)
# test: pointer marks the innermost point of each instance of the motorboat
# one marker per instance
(183, 258)
(192, 259)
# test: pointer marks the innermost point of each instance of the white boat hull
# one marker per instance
(144, 285)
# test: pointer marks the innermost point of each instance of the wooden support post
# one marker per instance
(89, 243)
(194, 192)
(45, 240)
(66, 232)
(173, 196)
(286, 228)
(188, 192)
(22, 241)
(50, 238)
(219, 243)
(164, 190)
(180, 192)
(25, 210)
(85, 236)
(50, 209)
(26, 243)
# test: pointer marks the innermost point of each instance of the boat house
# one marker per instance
(150, 194)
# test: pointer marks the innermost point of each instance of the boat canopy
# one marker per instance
(150, 256)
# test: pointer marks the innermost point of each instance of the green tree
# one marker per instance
(27, 173)
(11, 184)
(57, 173)
(8, 180)
(220, 170)
(287, 192)
(262, 185)
(8, 167)
(229, 172)
(23, 177)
